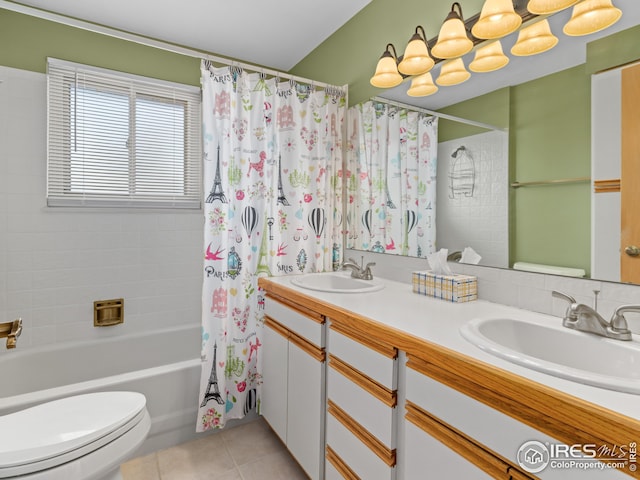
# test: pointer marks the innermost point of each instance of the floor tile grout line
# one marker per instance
(157, 462)
(226, 447)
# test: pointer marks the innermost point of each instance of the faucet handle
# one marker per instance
(618, 322)
(570, 315)
(563, 296)
(16, 328)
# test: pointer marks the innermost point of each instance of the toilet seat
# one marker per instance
(58, 432)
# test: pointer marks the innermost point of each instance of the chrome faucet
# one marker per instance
(358, 271)
(11, 330)
(585, 319)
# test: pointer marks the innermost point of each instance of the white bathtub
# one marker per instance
(163, 365)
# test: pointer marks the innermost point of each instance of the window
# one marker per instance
(116, 139)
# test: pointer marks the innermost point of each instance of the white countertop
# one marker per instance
(438, 322)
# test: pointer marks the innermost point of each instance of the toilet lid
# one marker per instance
(55, 428)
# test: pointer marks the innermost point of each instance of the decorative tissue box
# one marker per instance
(453, 288)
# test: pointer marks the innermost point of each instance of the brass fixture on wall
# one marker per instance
(497, 19)
(11, 330)
(107, 313)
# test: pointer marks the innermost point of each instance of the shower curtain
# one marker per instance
(273, 196)
(392, 159)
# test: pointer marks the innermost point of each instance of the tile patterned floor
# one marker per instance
(247, 452)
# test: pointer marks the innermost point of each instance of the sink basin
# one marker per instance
(556, 350)
(336, 283)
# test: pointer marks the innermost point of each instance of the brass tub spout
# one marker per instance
(11, 330)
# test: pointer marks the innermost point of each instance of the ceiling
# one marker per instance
(275, 33)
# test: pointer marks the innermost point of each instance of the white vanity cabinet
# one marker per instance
(482, 442)
(365, 414)
(361, 405)
(293, 391)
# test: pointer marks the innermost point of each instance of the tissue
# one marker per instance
(438, 262)
(469, 255)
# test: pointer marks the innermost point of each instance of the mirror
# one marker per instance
(405, 168)
(547, 112)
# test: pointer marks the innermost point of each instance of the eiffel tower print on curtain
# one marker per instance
(213, 382)
(216, 190)
(282, 200)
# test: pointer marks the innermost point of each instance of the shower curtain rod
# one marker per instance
(132, 37)
(438, 114)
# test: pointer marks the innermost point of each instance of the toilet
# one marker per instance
(84, 437)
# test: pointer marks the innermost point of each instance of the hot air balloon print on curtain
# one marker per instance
(366, 220)
(249, 220)
(317, 221)
(410, 220)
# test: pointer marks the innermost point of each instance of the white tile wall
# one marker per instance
(480, 221)
(529, 291)
(55, 262)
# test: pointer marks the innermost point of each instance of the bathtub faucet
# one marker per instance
(11, 330)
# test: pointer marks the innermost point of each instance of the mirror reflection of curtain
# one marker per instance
(273, 153)
(392, 160)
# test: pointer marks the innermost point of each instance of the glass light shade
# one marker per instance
(422, 85)
(489, 58)
(497, 19)
(546, 7)
(536, 38)
(452, 40)
(416, 59)
(452, 73)
(386, 75)
(590, 16)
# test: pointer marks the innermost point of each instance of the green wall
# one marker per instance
(550, 139)
(27, 42)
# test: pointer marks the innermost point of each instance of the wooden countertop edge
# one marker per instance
(518, 396)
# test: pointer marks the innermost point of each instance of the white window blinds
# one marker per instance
(117, 139)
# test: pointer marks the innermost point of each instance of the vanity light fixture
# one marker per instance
(489, 58)
(452, 73)
(590, 16)
(482, 31)
(534, 39)
(416, 59)
(422, 86)
(387, 75)
(453, 40)
(497, 19)
(547, 7)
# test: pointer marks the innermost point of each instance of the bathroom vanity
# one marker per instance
(381, 385)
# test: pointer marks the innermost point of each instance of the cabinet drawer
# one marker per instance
(369, 411)
(496, 430)
(336, 469)
(355, 454)
(331, 473)
(423, 453)
(306, 326)
(381, 367)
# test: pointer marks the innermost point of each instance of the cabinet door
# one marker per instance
(305, 425)
(273, 403)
